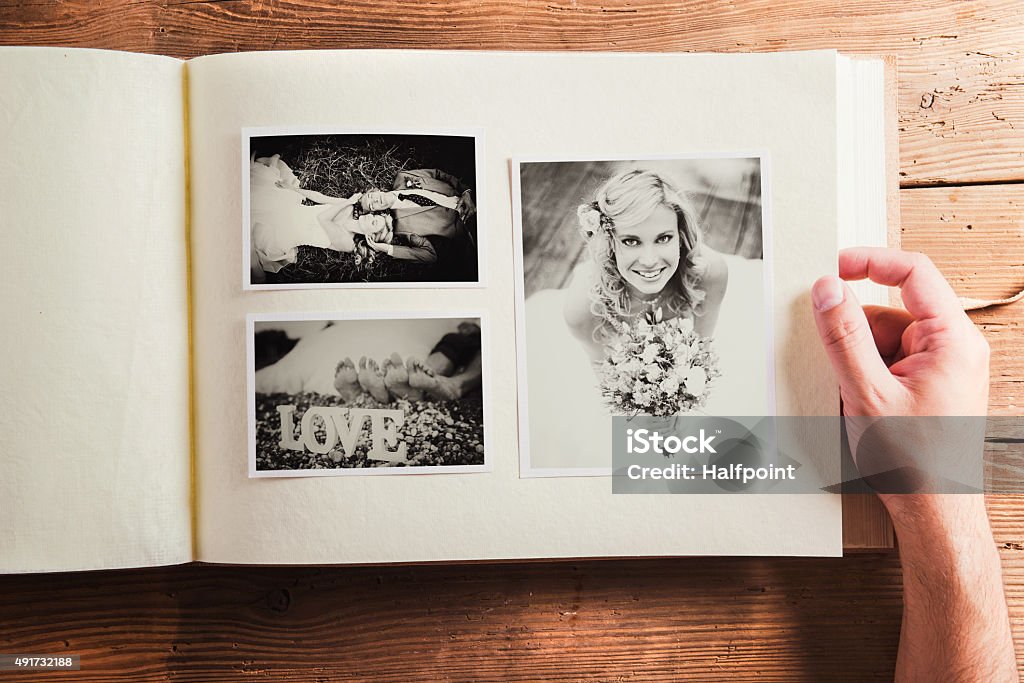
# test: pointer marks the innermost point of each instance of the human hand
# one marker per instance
(466, 206)
(380, 246)
(928, 360)
(383, 235)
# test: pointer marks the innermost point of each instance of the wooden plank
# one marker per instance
(712, 619)
(866, 525)
(961, 100)
(552, 244)
(976, 237)
(641, 620)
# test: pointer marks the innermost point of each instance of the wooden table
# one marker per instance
(961, 124)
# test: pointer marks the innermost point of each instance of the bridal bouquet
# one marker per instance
(658, 367)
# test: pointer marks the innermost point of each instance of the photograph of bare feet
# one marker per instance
(384, 394)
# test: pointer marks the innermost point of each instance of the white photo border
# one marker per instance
(318, 316)
(479, 158)
(526, 471)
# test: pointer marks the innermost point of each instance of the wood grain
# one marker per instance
(663, 620)
(976, 237)
(710, 619)
(961, 117)
(961, 94)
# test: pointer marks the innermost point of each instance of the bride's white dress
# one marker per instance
(569, 424)
(279, 220)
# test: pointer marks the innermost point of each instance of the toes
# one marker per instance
(362, 363)
(395, 359)
(345, 373)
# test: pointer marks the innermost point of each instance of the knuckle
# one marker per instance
(920, 259)
(843, 335)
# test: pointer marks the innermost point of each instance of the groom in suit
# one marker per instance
(432, 212)
(430, 217)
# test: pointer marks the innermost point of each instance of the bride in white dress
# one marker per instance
(646, 255)
(281, 222)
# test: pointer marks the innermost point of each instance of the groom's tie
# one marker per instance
(418, 199)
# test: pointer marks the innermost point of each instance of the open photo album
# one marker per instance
(347, 307)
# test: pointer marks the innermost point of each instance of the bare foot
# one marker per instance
(371, 379)
(436, 386)
(346, 381)
(396, 379)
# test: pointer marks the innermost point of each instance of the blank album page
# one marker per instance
(94, 410)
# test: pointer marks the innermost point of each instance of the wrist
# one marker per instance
(933, 518)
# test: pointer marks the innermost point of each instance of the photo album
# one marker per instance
(354, 307)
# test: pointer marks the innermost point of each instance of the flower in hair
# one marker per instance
(592, 220)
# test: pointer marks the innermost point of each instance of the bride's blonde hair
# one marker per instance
(626, 200)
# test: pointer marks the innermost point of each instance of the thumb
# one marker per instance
(846, 335)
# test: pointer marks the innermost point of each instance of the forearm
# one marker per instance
(419, 254)
(330, 213)
(955, 621)
(456, 183)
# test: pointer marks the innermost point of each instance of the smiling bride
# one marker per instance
(647, 259)
(639, 286)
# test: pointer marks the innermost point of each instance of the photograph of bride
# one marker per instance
(351, 210)
(642, 290)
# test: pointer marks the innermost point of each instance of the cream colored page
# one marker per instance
(94, 410)
(548, 105)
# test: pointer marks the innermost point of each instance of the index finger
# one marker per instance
(925, 293)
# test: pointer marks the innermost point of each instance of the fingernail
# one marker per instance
(827, 293)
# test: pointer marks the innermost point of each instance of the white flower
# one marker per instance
(632, 366)
(643, 398)
(652, 371)
(650, 353)
(685, 324)
(681, 357)
(590, 220)
(669, 385)
(695, 380)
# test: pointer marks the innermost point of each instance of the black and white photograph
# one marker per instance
(380, 395)
(642, 290)
(360, 209)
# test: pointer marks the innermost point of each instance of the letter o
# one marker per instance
(309, 434)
